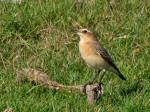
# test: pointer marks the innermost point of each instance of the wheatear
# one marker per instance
(94, 54)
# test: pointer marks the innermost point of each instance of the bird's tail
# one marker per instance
(117, 71)
(121, 75)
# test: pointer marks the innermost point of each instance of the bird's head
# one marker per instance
(85, 34)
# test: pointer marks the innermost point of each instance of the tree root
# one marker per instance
(93, 91)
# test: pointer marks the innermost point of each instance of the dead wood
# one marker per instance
(93, 91)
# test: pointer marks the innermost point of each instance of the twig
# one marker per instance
(93, 91)
(9, 110)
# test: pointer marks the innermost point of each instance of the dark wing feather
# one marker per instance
(103, 52)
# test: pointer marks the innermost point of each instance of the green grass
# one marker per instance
(37, 34)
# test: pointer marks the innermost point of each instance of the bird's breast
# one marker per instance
(90, 55)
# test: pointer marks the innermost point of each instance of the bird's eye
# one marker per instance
(84, 31)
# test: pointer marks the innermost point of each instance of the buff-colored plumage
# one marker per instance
(94, 54)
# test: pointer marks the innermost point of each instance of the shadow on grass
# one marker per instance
(133, 88)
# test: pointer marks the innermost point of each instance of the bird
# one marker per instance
(95, 55)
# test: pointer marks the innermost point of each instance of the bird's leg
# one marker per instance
(95, 77)
(101, 77)
(100, 88)
(96, 74)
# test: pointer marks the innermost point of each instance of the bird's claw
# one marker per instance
(99, 89)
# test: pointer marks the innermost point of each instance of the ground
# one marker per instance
(38, 34)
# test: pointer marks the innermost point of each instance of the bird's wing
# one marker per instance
(104, 53)
(107, 57)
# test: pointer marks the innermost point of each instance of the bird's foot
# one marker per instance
(100, 89)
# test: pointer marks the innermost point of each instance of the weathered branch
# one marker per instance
(93, 91)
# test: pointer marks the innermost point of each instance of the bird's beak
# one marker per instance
(77, 31)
